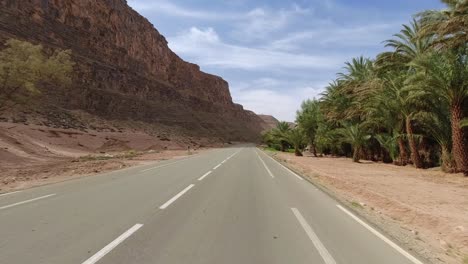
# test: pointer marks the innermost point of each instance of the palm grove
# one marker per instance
(407, 105)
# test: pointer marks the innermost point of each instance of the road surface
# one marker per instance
(233, 205)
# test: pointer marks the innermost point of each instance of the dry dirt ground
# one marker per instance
(32, 155)
(427, 210)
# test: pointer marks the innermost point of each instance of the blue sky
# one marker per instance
(277, 53)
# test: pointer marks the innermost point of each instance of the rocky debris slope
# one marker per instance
(125, 70)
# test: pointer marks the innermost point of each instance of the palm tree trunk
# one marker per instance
(356, 153)
(447, 161)
(412, 143)
(313, 149)
(403, 153)
(459, 147)
(297, 151)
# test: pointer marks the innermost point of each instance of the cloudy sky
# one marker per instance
(276, 53)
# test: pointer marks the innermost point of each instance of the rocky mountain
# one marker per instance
(125, 70)
(269, 122)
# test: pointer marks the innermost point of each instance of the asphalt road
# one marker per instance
(226, 206)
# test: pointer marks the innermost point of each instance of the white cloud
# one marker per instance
(206, 48)
(274, 97)
(249, 25)
(166, 7)
(258, 16)
(204, 36)
(261, 22)
(349, 36)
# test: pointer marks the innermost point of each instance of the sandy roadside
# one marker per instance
(32, 155)
(426, 210)
(13, 179)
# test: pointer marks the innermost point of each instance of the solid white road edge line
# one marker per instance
(165, 205)
(379, 235)
(217, 166)
(204, 175)
(314, 238)
(284, 167)
(5, 194)
(96, 257)
(27, 201)
(269, 172)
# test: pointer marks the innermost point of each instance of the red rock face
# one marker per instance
(125, 69)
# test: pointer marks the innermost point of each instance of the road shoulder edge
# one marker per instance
(340, 200)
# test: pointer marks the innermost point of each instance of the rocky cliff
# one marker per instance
(269, 122)
(125, 70)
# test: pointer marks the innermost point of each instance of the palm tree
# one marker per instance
(445, 75)
(279, 132)
(345, 99)
(385, 116)
(358, 70)
(393, 104)
(335, 101)
(409, 102)
(448, 27)
(296, 138)
(283, 126)
(389, 143)
(327, 138)
(356, 136)
(268, 138)
(437, 124)
(407, 46)
(358, 79)
(308, 119)
(395, 68)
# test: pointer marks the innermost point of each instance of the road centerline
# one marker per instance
(224, 161)
(379, 235)
(177, 196)
(101, 253)
(326, 256)
(204, 175)
(27, 201)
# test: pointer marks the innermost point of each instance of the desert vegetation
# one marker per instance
(25, 67)
(408, 105)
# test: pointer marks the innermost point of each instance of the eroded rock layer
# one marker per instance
(125, 70)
